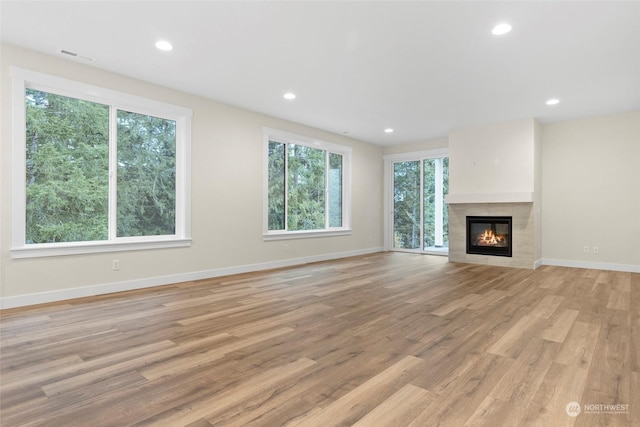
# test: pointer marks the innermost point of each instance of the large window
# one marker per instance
(307, 186)
(96, 170)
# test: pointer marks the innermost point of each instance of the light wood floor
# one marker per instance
(384, 339)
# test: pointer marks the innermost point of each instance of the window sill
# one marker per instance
(80, 248)
(286, 235)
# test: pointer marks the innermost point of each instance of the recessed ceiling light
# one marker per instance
(289, 95)
(553, 101)
(164, 45)
(501, 29)
(388, 130)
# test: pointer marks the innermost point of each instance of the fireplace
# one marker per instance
(489, 235)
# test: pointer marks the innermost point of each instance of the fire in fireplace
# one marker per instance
(489, 235)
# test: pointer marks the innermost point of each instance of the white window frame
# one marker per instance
(291, 138)
(23, 79)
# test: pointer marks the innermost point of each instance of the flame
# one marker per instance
(489, 238)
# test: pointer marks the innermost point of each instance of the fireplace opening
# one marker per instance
(489, 235)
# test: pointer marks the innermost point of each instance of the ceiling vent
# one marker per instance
(75, 55)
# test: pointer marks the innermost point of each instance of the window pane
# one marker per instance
(436, 214)
(67, 179)
(276, 185)
(306, 179)
(146, 175)
(445, 207)
(406, 205)
(335, 190)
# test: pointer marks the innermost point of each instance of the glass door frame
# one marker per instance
(389, 161)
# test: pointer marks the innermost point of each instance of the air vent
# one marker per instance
(75, 55)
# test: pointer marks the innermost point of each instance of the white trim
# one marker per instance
(113, 173)
(387, 203)
(292, 138)
(435, 253)
(304, 234)
(79, 248)
(18, 166)
(524, 197)
(265, 182)
(628, 268)
(107, 288)
(417, 155)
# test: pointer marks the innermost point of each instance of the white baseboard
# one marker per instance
(108, 288)
(628, 268)
(537, 264)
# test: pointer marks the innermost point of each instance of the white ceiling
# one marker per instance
(422, 68)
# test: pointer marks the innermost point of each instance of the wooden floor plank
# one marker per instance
(398, 410)
(560, 326)
(212, 404)
(579, 345)
(381, 339)
(561, 385)
(353, 405)
(520, 383)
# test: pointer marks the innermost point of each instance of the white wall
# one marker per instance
(591, 192)
(226, 199)
(492, 159)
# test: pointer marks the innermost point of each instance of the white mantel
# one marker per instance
(525, 197)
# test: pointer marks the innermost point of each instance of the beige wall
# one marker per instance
(492, 159)
(591, 190)
(537, 193)
(430, 144)
(226, 195)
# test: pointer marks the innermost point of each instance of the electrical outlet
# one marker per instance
(596, 251)
(115, 265)
(586, 249)
(286, 247)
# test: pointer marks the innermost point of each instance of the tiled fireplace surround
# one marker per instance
(523, 238)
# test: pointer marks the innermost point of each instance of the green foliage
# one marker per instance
(335, 190)
(67, 167)
(67, 171)
(306, 180)
(299, 187)
(276, 184)
(146, 175)
(407, 202)
(406, 205)
(429, 201)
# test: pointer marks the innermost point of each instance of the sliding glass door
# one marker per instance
(419, 214)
